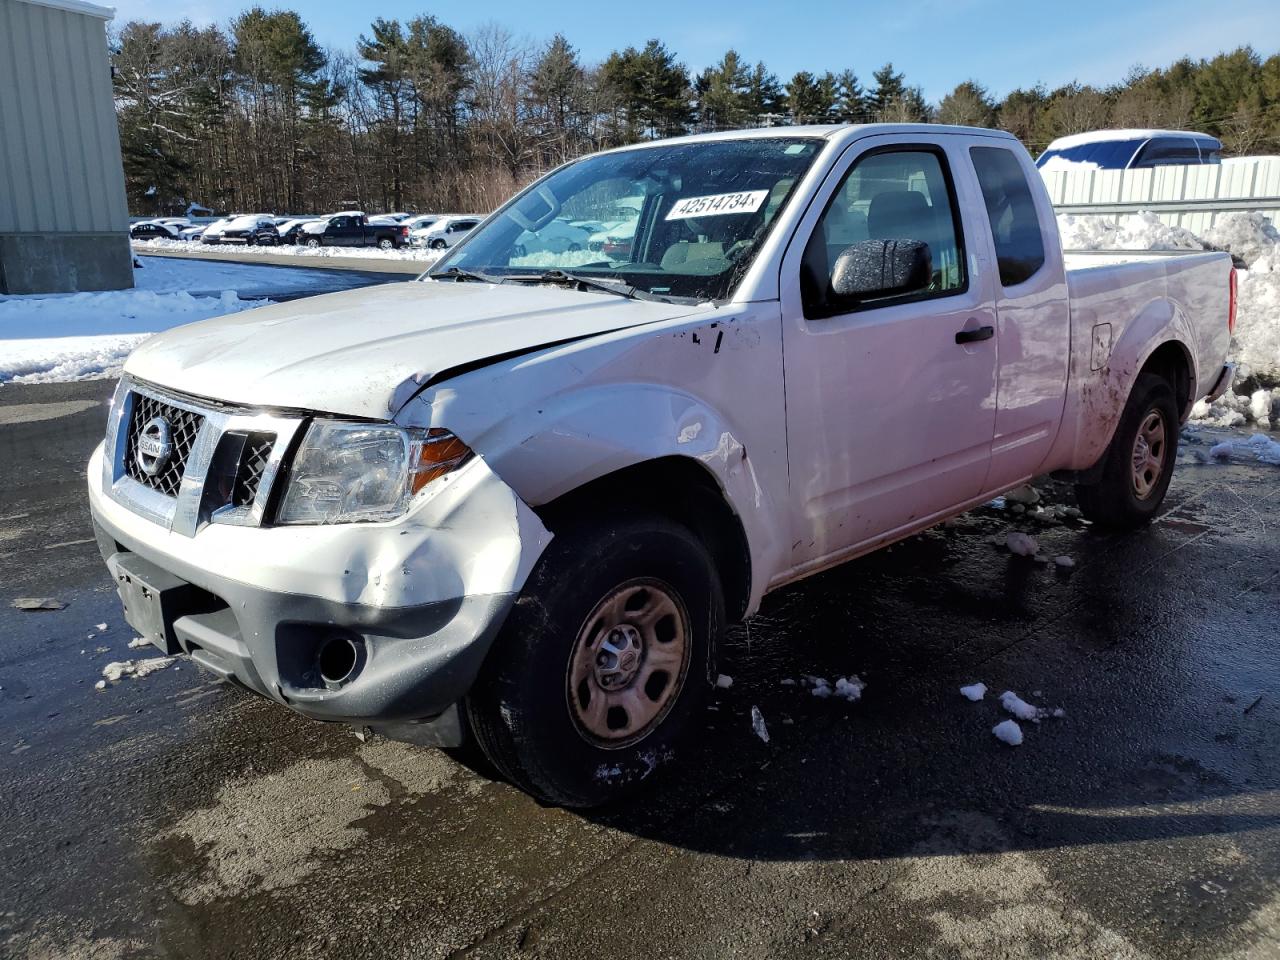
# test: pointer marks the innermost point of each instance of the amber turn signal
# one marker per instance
(439, 452)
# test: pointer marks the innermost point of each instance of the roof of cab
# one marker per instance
(828, 131)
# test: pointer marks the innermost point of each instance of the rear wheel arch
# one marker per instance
(1172, 362)
(680, 489)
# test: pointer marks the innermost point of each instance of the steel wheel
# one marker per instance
(629, 662)
(1148, 454)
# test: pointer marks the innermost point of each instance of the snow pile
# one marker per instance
(1141, 231)
(417, 254)
(1008, 731)
(974, 691)
(137, 643)
(80, 336)
(1250, 236)
(1256, 344)
(1235, 409)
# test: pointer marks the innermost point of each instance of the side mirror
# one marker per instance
(881, 268)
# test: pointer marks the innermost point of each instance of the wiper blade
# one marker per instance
(457, 274)
(620, 287)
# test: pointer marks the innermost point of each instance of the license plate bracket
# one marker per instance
(153, 598)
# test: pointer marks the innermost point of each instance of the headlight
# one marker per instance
(345, 472)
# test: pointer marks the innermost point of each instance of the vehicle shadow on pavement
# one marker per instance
(1158, 647)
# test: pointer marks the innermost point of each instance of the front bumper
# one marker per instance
(421, 598)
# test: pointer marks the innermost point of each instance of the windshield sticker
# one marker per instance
(717, 205)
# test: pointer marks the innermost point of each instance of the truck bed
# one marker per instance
(1121, 301)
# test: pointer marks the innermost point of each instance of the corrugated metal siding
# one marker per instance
(60, 169)
(1192, 196)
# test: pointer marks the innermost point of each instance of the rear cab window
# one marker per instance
(1011, 213)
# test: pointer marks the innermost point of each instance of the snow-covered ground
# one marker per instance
(417, 254)
(82, 336)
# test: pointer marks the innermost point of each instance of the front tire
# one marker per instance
(603, 662)
(1138, 464)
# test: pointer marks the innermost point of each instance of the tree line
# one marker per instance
(419, 116)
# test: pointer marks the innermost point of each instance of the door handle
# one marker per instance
(976, 335)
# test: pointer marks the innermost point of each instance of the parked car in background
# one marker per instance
(289, 228)
(350, 228)
(193, 232)
(523, 505)
(558, 236)
(1130, 149)
(154, 230)
(213, 232)
(447, 231)
(255, 229)
(389, 217)
(614, 241)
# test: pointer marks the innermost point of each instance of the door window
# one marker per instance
(900, 194)
(1011, 211)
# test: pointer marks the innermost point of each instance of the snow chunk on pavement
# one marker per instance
(974, 691)
(138, 642)
(1021, 544)
(724, 682)
(1064, 561)
(1008, 731)
(1019, 707)
(757, 724)
(850, 688)
(135, 668)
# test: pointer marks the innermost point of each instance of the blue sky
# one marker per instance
(937, 43)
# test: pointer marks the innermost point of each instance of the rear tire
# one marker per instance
(313, 242)
(1138, 464)
(603, 662)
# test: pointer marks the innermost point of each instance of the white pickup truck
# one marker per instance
(516, 501)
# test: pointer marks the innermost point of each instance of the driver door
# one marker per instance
(890, 400)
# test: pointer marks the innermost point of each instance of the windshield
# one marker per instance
(682, 221)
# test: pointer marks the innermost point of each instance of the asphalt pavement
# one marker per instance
(175, 816)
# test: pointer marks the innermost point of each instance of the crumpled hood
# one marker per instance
(366, 352)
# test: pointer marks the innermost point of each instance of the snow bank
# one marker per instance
(417, 254)
(1141, 231)
(82, 336)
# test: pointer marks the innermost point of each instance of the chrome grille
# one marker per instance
(207, 463)
(253, 464)
(184, 427)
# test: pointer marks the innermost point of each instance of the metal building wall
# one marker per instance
(63, 216)
(1193, 197)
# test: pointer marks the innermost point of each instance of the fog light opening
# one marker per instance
(337, 660)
